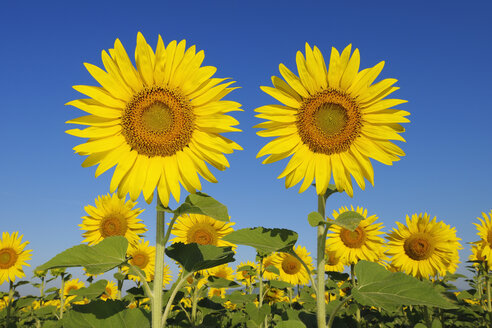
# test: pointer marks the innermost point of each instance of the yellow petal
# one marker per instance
(101, 95)
(279, 145)
(322, 172)
(306, 78)
(351, 71)
(188, 172)
(94, 107)
(383, 104)
(281, 85)
(126, 67)
(333, 72)
(160, 63)
(281, 96)
(318, 73)
(154, 172)
(195, 82)
(172, 176)
(112, 158)
(308, 175)
(98, 145)
(210, 95)
(293, 81)
(125, 164)
(144, 60)
(113, 86)
(138, 175)
(95, 132)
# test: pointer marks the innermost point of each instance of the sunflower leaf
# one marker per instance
(264, 240)
(201, 203)
(91, 292)
(218, 282)
(96, 259)
(315, 219)
(381, 288)
(195, 257)
(349, 220)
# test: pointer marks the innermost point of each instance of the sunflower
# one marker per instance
(362, 244)
(423, 247)
(166, 275)
(291, 269)
(332, 121)
(485, 234)
(219, 292)
(112, 216)
(159, 123)
(247, 277)
(111, 291)
(275, 295)
(142, 256)
(333, 262)
(201, 229)
(12, 256)
(477, 255)
(222, 271)
(270, 260)
(70, 285)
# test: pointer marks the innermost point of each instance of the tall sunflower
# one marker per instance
(247, 277)
(159, 123)
(331, 121)
(222, 271)
(112, 216)
(142, 256)
(362, 244)
(291, 269)
(477, 255)
(70, 285)
(12, 256)
(333, 262)
(270, 260)
(485, 234)
(201, 229)
(423, 248)
(110, 292)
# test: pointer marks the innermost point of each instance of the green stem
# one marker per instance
(489, 306)
(180, 282)
(427, 317)
(120, 283)
(159, 267)
(9, 305)
(311, 278)
(357, 313)
(194, 305)
(335, 310)
(62, 295)
(260, 295)
(143, 280)
(320, 258)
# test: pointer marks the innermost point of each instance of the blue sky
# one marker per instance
(439, 52)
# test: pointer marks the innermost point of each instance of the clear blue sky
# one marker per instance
(439, 51)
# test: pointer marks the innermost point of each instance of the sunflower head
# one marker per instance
(291, 269)
(222, 271)
(142, 256)
(423, 248)
(110, 292)
(364, 243)
(201, 229)
(485, 234)
(12, 256)
(159, 123)
(332, 121)
(249, 276)
(112, 216)
(333, 262)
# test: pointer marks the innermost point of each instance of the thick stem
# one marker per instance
(320, 258)
(357, 313)
(145, 285)
(180, 282)
(194, 305)
(489, 306)
(159, 268)
(62, 295)
(120, 283)
(9, 305)
(260, 295)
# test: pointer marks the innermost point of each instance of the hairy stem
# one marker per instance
(159, 267)
(320, 259)
(335, 310)
(352, 275)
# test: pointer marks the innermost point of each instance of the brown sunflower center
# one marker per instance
(108, 291)
(158, 122)
(113, 226)
(8, 257)
(329, 122)
(353, 239)
(221, 274)
(291, 265)
(141, 260)
(418, 247)
(203, 234)
(331, 258)
(216, 292)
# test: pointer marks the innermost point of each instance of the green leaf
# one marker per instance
(279, 284)
(109, 314)
(265, 240)
(349, 220)
(273, 269)
(201, 203)
(290, 324)
(218, 282)
(93, 291)
(255, 314)
(315, 219)
(24, 301)
(380, 288)
(237, 297)
(119, 276)
(195, 257)
(96, 259)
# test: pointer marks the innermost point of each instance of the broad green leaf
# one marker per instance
(280, 284)
(201, 203)
(195, 257)
(96, 259)
(119, 276)
(273, 269)
(24, 301)
(315, 219)
(349, 220)
(380, 288)
(218, 282)
(265, 240)
(93, 291)
(237, 297)
(255, 314)
(109, 314)
(290, 324)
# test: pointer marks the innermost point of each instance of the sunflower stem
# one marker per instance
(489, 305)
(179, 283)
(62, 294)
(159, 266)
(260, 295)
(9, 305)
(120, 283)
(335, 310)
(145, 285)
(320, 286)
(352, 275)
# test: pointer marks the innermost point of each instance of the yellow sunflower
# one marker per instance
(485, 234)
(477, 255)
(142, 256)
(247, 277)
(362, 244)
(291, 269)
(270, 260)
(275, 295)
(111, 291)
(219, 292)
(70, 285)
(159, 123)
(331, 121)
(201, 229)
(423, 247)
(333, 262)
(13, 256)
(166, 276)
(223, 271)
(112, 216)
(4, 302)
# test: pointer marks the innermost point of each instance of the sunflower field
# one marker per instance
(160, 123)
